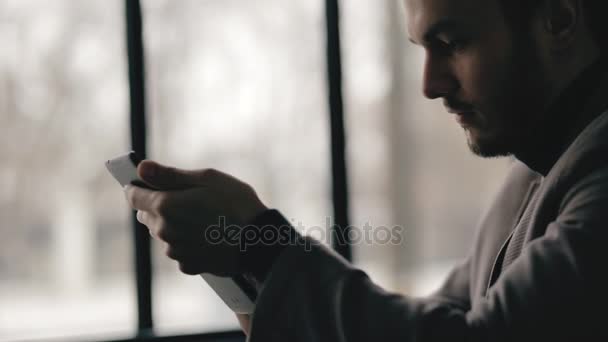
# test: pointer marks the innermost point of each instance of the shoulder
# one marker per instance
(586, 201)
(587, 153)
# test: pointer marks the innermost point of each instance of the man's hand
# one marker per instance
(185, 205)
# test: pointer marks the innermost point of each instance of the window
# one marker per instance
(66, 258)
(240, 87)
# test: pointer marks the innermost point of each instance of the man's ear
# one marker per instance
(562, 19)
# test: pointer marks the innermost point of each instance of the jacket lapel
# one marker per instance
(515, 240)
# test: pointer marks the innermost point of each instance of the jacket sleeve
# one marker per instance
(553, 291)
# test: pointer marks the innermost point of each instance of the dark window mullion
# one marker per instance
(143, 265)
(138, 136)
(341, 242)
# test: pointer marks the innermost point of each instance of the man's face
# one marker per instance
(487, 75)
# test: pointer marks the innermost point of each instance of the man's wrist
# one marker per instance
(267, 236)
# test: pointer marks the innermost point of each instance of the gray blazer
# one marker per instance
(555, 290)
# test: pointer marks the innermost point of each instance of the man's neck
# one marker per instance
(564, 120)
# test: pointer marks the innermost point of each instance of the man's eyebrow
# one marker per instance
(444, 25)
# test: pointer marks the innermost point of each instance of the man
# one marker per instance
(523, 78)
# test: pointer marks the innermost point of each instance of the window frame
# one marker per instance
(137, 100)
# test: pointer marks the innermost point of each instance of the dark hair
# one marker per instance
(518, 12)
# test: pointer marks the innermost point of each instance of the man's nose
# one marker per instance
(438, 80)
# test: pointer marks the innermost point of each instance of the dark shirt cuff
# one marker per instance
(263, 241)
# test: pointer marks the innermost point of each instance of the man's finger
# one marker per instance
(144, 218)
(171, 178)
(159, 203)
(176, 233)
(141, 198)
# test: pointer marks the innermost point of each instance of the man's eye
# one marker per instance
(449, 46)
(456, 44)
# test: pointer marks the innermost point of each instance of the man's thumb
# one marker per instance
(166, 178)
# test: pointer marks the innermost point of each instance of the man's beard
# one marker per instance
(519, 101)
(488, 148)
